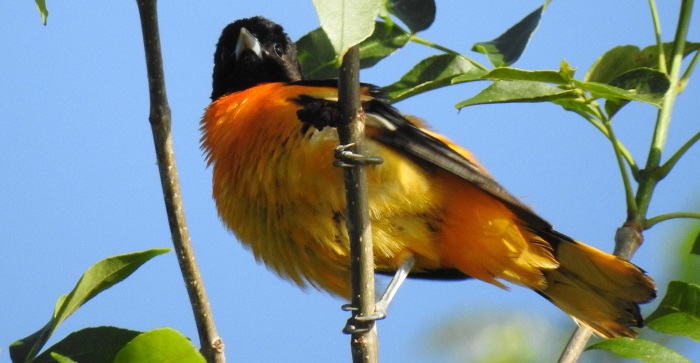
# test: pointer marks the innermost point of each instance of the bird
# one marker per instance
(270, 137)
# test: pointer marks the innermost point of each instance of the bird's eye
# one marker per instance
(279, 49)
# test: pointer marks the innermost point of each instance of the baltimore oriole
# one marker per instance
(270, 138)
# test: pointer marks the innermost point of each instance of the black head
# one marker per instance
(259, 54)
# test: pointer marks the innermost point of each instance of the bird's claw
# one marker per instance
(348, 159)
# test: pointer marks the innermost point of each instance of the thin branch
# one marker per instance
(664, 217)
(351, 131)
(629, 194)
(686, 75)
(629, 237)
(419, 40)
(657, 34)
(160, 119)
(668, 165)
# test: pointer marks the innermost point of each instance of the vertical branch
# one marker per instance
(351, 131)
(160, 119)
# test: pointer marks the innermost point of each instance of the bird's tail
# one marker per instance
(597, 289)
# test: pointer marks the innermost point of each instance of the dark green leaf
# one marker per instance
(514, 74)
(416, 14)
(95, 345)
(696, 245)
(682, 300)
(318, 58)
(517, 91)
(433, 72)
(506, 49)
(159, 345)
(640, 349)
(645, 81)
(41, 4)
(625, 58)
(347, 22)
(96, 279)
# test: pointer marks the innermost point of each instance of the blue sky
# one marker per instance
(80, 181)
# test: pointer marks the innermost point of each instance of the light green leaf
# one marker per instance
(95, 345)
(640, 349)
(431, 73)
(679, 311)
(347, 22)
(159, 345)
(60, 358)
(41, 4)
(518, 91)
(416, 14)
(514, 74)
(507, 48)
(96, 279)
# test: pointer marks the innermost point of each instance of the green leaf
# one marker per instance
(96, 345)
(96, 279)
(60, 358)
(514, 74)
(41, 4)
(159, 345)
(696, 245)
(644, 81)
(416, 14)
(507, 48)
(625, 58)
(601, 90)
(679, 311)
(347, 22)
(318, 58)
(433, 72)
(518, 91)
(640, 349)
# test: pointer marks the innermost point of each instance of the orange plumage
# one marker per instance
(276, 188)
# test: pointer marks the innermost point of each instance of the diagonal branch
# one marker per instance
(160, 119)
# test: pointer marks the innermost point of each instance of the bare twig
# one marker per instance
(363, 341)
(159, 117)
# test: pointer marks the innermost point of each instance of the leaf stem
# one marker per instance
(686, 75)
(664, 217)
(419, 40)
(657, 34)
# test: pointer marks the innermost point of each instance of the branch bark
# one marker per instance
(160, 119)
(363, 342)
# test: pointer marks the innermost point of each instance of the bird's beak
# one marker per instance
(248, 41)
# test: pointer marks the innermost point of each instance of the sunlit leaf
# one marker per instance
(640, 349)
(159, 345)
(416, 14)
(55, 357)
(318, 58)
(41, 4)
(517, 91)
(644, 81)
(347, 22)
(507, 48)
(431, 73)
(96, 279)
(95, 345)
